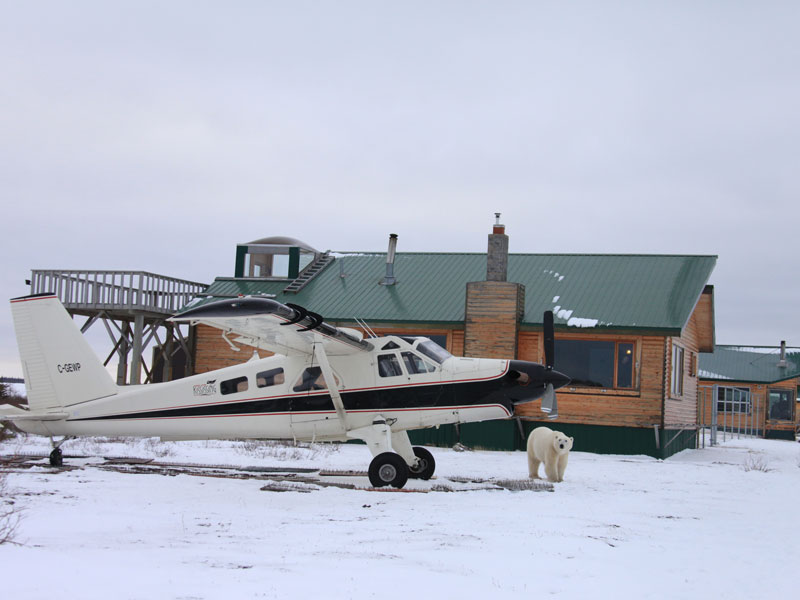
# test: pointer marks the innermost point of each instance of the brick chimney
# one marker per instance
(494, 307)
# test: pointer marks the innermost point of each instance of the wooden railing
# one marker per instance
(114, 290)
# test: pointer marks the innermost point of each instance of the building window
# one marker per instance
(780, 405)
(233, 386)
(733, 400)
(624, 365)
(595, 363)
(677, 370)
(269, 378)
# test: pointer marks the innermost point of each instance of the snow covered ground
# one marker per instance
(718, 522)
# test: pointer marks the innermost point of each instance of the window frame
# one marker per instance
(788, 391)
(394, 360)
(270, 374)
(678, 356)
(634, 387)
(732, 403)
(326, 388)
(405, 357)
(224, 386)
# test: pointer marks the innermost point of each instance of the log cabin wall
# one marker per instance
(212, 352)
(782, 429)
(680, 408)
(759, 402)
(637, 407)
(758, 398)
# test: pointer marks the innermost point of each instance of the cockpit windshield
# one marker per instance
(433, 350)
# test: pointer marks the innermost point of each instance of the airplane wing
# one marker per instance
(281, 328)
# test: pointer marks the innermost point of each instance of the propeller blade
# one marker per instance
(549, 339)
(300, 313)
(550, 402)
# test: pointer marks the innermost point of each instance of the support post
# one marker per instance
(330, 380)
(124, 349)
(136, 359)
(167, 349)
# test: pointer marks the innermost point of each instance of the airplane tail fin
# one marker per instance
(60, 367)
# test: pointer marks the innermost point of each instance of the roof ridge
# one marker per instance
(455, 253)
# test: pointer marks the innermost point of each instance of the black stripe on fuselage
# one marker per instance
(434, 396)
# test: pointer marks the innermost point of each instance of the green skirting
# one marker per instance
(779, 434)
(506, 435)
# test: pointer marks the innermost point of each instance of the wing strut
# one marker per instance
(330, 380)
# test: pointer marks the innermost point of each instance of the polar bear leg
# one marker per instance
(551, 469)
(533, 465)
(562, 466)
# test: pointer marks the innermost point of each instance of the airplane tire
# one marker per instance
(426, 465)
(56, 458)
(388, 468)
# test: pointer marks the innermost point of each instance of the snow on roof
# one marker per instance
(709, 375)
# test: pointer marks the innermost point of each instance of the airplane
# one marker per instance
(323, 383)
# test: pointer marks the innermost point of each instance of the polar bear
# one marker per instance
(551, 448)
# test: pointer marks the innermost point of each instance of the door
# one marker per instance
(780, 405)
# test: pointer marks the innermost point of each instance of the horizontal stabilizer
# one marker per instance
(13, 413)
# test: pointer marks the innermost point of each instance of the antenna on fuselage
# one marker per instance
(363, 324)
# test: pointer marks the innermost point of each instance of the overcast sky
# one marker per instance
(158, 135)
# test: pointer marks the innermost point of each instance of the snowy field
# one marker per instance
(710, 523)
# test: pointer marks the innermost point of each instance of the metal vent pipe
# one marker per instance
(782, 361)
(389, 278)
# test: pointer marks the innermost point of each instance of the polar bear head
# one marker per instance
(561, 443)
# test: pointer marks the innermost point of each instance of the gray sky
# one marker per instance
(158, 135)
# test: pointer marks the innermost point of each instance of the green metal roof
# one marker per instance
(749, 364)
(647, 292)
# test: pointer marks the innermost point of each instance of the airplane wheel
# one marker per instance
(56, 458)
(388, 468)
(426, 465)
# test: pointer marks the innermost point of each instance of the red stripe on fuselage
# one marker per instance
(317, 393)
(323, 412)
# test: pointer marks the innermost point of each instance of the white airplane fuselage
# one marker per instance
(235, 403)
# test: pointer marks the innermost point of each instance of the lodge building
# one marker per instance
(629, 328)
(751, 388)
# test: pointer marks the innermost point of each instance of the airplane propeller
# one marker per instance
(549, 401)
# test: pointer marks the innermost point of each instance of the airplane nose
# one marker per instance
(529, 380)
(558, 379)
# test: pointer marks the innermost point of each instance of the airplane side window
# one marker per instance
(389, 366)
(313, 379)
(232, 386)
(414, 364)
(269, 378)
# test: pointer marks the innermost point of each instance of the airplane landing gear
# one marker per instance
(388, 468)
(56, 458)
(425, 464)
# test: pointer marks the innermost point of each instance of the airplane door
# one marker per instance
(311, 412)
(425, 388)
